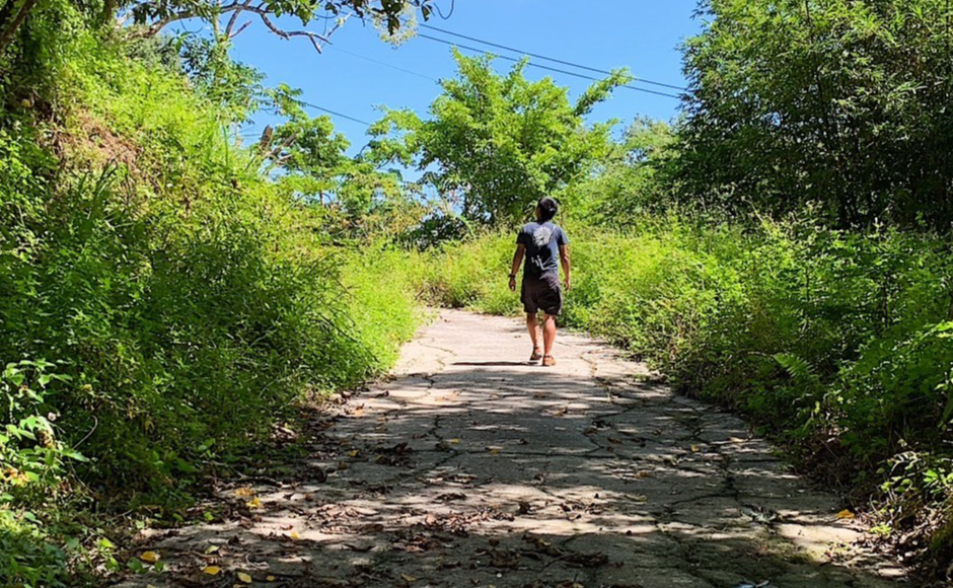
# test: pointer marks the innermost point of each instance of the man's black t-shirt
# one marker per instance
(542, 242)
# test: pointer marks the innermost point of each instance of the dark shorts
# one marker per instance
(542, 294)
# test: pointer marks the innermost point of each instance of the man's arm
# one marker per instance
(517, 262)
(566, 262)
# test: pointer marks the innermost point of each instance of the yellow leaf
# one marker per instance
(295, 535)
(845, 514)
(244, 492)
(354, 453)
(254, 503)
(408, 579)
(244, 577)
(454, 441)
(736, 440)
(149, 557)
(211, 549)
(694, 448)
(270, 578)
(211, 570)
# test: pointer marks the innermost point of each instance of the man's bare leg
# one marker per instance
(549, 334)
(532, 325)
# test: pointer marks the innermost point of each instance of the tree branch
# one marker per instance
(234, 19)
(8, 34)
(157, 26)
(240, 29)
(287, 35)
(236, 8)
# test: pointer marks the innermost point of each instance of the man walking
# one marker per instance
(545, 247)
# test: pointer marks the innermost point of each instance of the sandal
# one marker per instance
(536, 355)
(548, 361)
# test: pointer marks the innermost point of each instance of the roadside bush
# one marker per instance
(840, 342)
(188, 304)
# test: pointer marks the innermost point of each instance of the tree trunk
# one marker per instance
(9, 33)
(109, 11)
(7, 12)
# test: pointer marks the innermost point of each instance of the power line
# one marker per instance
(337, 114)
(546, 67)
(543, 57)
(383, 63)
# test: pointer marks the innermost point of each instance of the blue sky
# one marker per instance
(643, 35)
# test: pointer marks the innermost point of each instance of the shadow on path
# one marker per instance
(490, 473)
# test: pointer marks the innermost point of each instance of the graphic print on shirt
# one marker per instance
(542, 236)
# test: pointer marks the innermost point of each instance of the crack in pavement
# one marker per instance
(471, 469)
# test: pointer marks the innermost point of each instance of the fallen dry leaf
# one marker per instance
(245, 577)
(211, 570)
(254, 503)
(845, 515)
(244, 492)
(149, 557)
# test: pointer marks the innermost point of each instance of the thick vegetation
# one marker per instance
(834, 104)
(166, 296)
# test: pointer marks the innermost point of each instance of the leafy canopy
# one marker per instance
(497, 143)
(313, 162)
(834, 103)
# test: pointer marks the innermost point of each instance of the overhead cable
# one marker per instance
(383, 63)
(337, 114)
(546, 67)
(543, 57)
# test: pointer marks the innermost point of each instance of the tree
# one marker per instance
(155, 15)
(635, 178)
(836, 103)
(313, 162)
(501, 142)
(12, 16)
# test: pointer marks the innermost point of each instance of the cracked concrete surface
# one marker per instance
(471, 467)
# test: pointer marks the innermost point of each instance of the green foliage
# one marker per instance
(188, 296)
(314, 164)
(632, 181)
(501, 142)
(841, 342)
(30, 450)
(838, 104)
(32, 457)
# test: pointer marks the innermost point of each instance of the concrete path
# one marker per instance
(471, 468)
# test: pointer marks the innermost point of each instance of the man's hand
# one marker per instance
(567, 284)
(517, 262)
